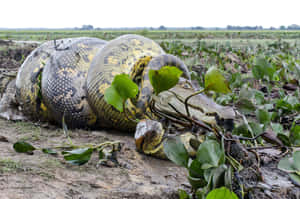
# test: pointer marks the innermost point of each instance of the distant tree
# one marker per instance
(293, 27)
(162, 28)
(197, 28)
(87, 27)
(282, 28)
(272, 28)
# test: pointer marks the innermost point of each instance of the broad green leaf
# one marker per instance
(242, 130)
(296, 160)
(245, 106)
(49, 151)
(263, 116)
(215, 81)
(23, 147)
(246, 93)
(209, 154)
(221, 193)
(164, 78)
(295, 134)
(78, 156)
(277, 128)
(286, 164)
(288, 103)
(112, 97)
(120, 90)
(195, 169)
(256, 128)
(282, 104)
(125, 87)
(175, 151)
(263, 68)
(259, 97)
(236, 80)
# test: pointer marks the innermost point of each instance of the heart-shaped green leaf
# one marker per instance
(290, 164)
(295, 134)
(120, 90)
(195, 169)
(215, 81)
(175, 151)
(296, 159)
(112, 97)
(245, 106)
(263, 116)
(78, 156)
(164, 78)
(23, 147)
(209, 154)
(263, 68)
(221, 193)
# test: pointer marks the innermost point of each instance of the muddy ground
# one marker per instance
(40, 175)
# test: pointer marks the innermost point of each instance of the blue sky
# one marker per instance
(153, 13)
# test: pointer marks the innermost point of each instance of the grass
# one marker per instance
(8, 165)
(42, 35)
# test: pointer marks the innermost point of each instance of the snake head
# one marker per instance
(149, 136)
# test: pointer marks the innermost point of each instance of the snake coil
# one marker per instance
(67, 79)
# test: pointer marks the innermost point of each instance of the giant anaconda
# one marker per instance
(51, 81)
(68, 81)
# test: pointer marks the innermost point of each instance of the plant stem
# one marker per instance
(187, 99)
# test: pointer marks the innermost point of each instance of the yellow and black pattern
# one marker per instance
(64, 82)
(68, 78)
(119, 56)
(28, 80)
(133, 55)
(155, 64)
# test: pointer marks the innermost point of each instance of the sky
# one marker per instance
(150, 13)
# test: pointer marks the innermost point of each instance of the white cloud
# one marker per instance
(140, 13)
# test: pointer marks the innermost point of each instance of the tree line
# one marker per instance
(229, 27)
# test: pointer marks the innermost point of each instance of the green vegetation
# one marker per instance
(158, 35)
(8, 165)
(261, 82)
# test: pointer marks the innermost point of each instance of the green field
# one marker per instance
(188, 35)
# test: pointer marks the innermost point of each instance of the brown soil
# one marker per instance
(45, 176)
(12, 54)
